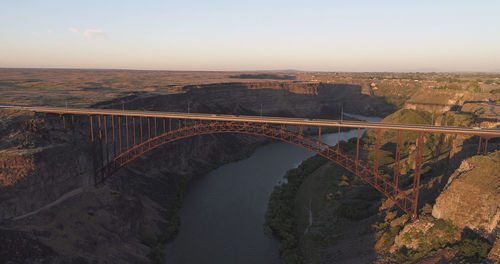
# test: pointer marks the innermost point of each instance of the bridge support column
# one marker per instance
(338, 141)
(114, 138)
(113, 126)
(99, 124)
(416, 179)
(357, 151)
(107, 146)
(120, 133)
(133, 127)
(91, 129)
(486, 146)
(479, 146)
(126, 130)
(319, 137)
(396, 163)
(101, 151)
(105, 130)
(483, 148)
(377, 149)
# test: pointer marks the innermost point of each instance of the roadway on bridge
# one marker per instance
(258, 119)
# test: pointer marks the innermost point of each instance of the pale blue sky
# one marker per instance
(252, 35)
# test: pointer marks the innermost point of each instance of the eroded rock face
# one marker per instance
(40, 162)
(426, 231)
(472, 196)
(495, 251)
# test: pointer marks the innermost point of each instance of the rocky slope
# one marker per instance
(334, 218)
(126, 218)
(471, 199)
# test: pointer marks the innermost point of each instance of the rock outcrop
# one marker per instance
(40, 162)
(472, 196)
(426, 232)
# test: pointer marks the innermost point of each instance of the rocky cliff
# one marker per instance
(335, 220)
(47, 200)
(471, 198)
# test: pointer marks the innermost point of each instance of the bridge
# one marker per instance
(125, 135)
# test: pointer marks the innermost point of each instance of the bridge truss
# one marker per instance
(123, 137)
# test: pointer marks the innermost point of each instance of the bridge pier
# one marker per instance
(377, 149)
(484, 149)
(396, 162)
(416, 179)
(357, 150)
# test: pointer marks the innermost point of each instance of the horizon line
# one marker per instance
(236, 71)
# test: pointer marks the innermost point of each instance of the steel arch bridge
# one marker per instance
(123, 136)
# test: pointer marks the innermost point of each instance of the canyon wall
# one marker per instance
(46, 172)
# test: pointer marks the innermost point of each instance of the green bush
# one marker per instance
(455, 87)
(474, 248)
(446, 226)
(280, 218)
(474, 87)
(495, 91)
(450, 120)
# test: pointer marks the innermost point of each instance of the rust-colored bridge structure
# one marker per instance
(125, 135)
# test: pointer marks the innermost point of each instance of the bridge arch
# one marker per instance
(407, 202)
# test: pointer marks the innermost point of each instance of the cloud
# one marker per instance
(93, 34)
(89, 34)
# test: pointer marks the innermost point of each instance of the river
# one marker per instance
(222, 214)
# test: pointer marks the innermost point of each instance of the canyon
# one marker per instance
(134, 211)
(51, 211)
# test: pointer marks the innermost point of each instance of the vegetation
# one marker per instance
(450, 86)
(495, 91)
(280, 218)
(470, 250)
(264, 76)
(474, 87)
(475, 250)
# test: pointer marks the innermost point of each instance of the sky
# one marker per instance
(382, 35)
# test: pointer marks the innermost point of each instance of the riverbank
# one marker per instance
(325, 215)
(237, 195)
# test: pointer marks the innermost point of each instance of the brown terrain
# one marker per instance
(50, 211)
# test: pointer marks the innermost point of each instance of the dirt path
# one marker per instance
(56, 202)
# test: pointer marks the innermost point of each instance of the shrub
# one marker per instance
(495, 91)
(449, 87)
(473, 248)
(280, 215)
(343, 184)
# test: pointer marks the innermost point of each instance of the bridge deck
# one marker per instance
(259, 119)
